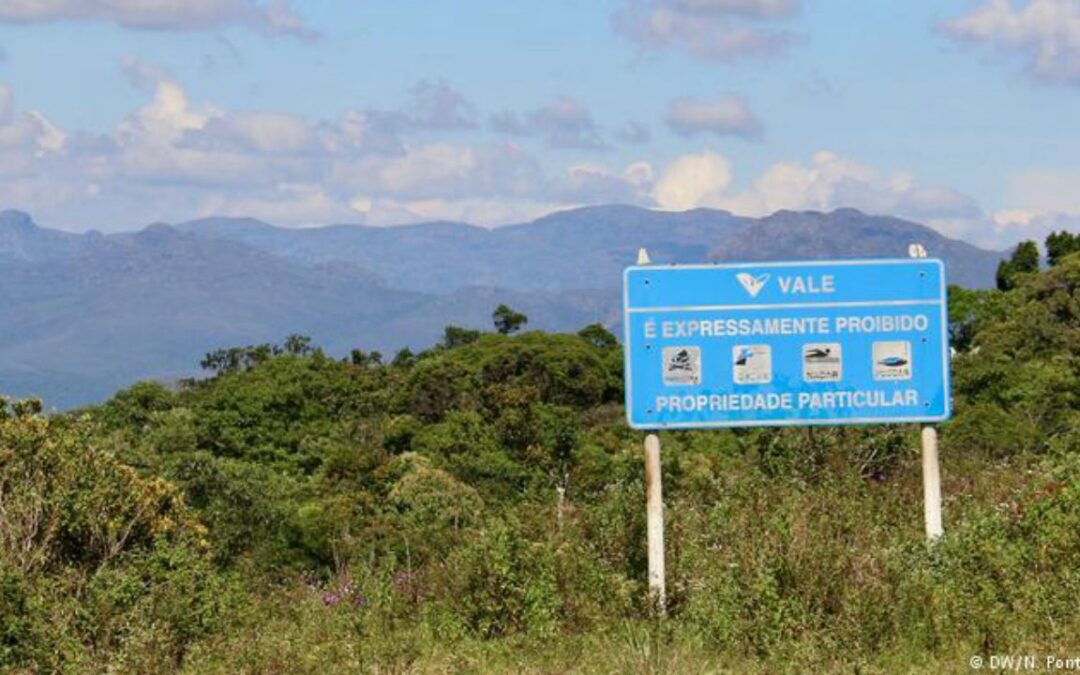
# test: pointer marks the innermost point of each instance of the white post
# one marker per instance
(559, 505)
(931, 484)
(654, 523)
(654, 507)
(931, 470)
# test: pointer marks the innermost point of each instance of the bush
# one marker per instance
(93, 557)
(507, 583)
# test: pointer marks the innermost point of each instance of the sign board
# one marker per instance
(761, 344)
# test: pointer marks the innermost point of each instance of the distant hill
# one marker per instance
(21, 240)
(588, 247)
(85, 314)
(847, 233)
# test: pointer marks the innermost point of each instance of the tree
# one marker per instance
(233, 359)
(136, 406)
(508, 321)
(598, 336)
(298, 345)
(359, 357)
(72, 510)
(456, 336)
(1024, 260)
(970, 311)
(1059, 245)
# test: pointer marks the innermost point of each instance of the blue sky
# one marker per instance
(962, 115)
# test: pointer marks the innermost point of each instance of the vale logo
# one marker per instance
(752, 284)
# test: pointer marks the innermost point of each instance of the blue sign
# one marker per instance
(761, 344)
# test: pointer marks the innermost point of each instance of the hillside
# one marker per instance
(151, 304)
(589, 247)
(480, 508)
(85, 314)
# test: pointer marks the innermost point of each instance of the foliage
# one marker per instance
(1024, 260)
(1025, 377)
(97, 563)
(1061, 244)
(456, 336)
(508, 321)
(970, 311)
(478, 506)
(242, 358)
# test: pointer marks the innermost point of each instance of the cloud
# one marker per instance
(714, 30)
(358, 131)
(273, 17)
(167, 116)
(692, 181)
(437, 106)
(598, 184)
(441, 171)
(5, 103)
(258, 133)
(473, 210)
(1011, 226)
(758, 9)
(828, 182)
(295, 203)
(171, 140)
(633, 133)
(728, 115)
(431, 106)
(47, 137)
(564, 123)
(1046, 33)
(174, 157)
(142, 75)
(1039, 202)
(26, 136)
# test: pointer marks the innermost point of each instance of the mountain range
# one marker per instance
(85, 314)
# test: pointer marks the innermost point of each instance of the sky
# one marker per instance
(961, 114)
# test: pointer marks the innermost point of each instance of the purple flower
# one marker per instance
(408, 584)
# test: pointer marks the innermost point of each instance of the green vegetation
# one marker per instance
(479, 507)
(1061, 244)
(1024, 260)
(508, 321)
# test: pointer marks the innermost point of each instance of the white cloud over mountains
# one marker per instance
(270, 17)
(174, 158)
(1045, 33)
(1052, 203)
(24, 137)
(713, 30)
(829, 181)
